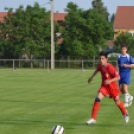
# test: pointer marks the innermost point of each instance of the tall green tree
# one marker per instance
(124, 38)
(111, 20)
(99, 6)
(76, 41)
(84, 32)
(26, 31)
(100, 29)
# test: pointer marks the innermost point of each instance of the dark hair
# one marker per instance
(123, 45)
(103, 53)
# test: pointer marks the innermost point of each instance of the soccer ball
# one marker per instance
(57, 130)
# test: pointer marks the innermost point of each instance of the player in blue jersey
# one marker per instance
(125, 63)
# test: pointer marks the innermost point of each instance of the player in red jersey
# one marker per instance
(108, 87)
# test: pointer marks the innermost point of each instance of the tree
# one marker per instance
(100, 29)
(112, 19)
(84, 32)
(127, 39)
(99, 6)
(26, 31)
(76, 41)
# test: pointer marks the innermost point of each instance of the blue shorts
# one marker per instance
(125, 78)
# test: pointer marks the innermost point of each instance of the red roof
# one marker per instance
(59, 16)
(2, 15)
(124, 17)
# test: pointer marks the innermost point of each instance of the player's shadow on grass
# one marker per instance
(83, 124)
(70, 125)
(22, 122)
(23, 101)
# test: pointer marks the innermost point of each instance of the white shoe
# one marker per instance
(129, 103)
(126, 104)
(130, 100)
(91, 121)
(126, 117)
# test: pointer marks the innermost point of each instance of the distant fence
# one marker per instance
(46, 64)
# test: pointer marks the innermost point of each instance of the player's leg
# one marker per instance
(124, 91)
(124, 82)
(95, 108)
(122, 108)
(121, 88)
(127, 97)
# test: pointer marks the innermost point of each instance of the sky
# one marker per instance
(60, 5)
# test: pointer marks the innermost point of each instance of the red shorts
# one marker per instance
(110, 90)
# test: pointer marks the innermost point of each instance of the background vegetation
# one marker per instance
(27, 32)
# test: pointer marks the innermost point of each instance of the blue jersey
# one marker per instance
(124, 60)
(125, 73)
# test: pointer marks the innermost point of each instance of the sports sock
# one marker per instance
(126, 98)
(95, 109)
(122, 108)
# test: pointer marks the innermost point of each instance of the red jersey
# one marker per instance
(109, 72)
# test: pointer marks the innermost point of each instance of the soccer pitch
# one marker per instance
(33, 101)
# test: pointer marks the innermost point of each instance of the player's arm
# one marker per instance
(116, 78)
(131, 65)
(91, 77)
(115, 75)
(112, 80)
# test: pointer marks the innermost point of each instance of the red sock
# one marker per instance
(122, 108)
(95, 109)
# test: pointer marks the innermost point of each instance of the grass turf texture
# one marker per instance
(33, 101)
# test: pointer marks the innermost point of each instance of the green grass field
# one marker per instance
(33, 101)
